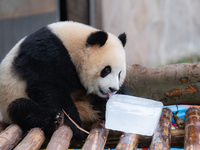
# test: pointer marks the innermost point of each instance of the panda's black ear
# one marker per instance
(122, 38)
(98, 37)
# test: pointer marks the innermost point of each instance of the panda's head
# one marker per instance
(98, 56)
(104, 68)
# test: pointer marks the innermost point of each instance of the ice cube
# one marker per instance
(132, 114)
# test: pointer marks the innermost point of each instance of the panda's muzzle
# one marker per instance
(113, 90)
(108, 94)
(102, 92)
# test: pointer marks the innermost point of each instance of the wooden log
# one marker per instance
(177, 139)
(192, 129)
(10, 137)
(33, 140)
(61, 138)
(127, 141)
(162, 136)
(172, 84)
(97, 137)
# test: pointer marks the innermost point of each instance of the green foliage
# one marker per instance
(193, 59)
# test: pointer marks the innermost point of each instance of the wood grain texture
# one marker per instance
(192, 129)
(97, 137)
(162, 136)
(127, 141)
(33, 140)
(61, 138)
(10, 137)
(170, 84)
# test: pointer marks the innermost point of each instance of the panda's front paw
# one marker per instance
(52, 122)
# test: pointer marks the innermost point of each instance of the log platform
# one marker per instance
(99, 138)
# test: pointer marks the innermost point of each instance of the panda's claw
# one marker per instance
(59, 120)
(58, 116)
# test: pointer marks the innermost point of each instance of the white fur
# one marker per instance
(11, 87)
(89, 61)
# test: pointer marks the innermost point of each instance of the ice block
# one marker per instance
(132, 114)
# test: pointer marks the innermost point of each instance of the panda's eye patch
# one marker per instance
(119, 74)
(105, 71)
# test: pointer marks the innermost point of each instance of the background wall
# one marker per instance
(159, 31)
(19, 18)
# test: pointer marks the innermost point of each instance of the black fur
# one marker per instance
(98, 37)
(44, 63)
(29, 114)
(105, 71)
(124, 90)
(122, 38)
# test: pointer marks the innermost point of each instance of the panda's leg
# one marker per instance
(58, 98)
(28, 114)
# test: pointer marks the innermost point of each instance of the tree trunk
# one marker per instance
(171, 84)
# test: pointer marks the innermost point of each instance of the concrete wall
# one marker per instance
(159, 31)
(19, 18)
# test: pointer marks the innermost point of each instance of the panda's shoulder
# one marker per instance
(42, 44)
(42, 37)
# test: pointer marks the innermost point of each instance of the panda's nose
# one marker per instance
(112, 90)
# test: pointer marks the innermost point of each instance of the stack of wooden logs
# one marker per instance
(163, 138)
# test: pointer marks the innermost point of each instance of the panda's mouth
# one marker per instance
(104, 93)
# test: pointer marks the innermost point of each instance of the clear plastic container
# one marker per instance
(132, 114)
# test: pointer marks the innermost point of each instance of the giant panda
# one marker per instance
(45, 71)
